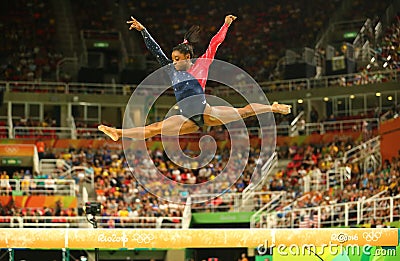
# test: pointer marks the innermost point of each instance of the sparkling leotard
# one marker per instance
(191, 82)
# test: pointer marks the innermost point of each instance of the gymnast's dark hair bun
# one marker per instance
(193, 34)
(191, 37)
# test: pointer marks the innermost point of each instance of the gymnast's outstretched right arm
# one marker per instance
(151, 44)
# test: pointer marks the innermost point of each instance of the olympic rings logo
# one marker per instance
(11, 149)
(142, 238)
(372, 236)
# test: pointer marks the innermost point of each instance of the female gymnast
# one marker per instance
(189, 80)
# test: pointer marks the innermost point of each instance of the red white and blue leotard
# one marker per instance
(191, 82)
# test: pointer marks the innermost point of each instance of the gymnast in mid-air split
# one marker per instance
(189, 80)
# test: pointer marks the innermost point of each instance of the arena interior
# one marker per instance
(329, 173)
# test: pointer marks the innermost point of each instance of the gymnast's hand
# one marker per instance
(229, 19)
(135, 24)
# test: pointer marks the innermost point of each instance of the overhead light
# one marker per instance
(176, 107)
(388, 58)
(352, 96)
(372, 59)
(378, 94)
(390, 98)
(385, 64)
(368, 66)
(326, 99)
(300, 100)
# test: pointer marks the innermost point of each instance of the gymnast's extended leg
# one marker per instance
(172, 126)
(218, 115)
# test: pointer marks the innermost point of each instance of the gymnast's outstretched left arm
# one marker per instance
(151, 44)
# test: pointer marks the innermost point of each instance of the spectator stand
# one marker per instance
(259, 178)
(28, 55)
(336, 171)
(369, 194)
(387, 74)
(59, 169)
(381, 210)
(38, 186)
(111, 222)
(233, 202)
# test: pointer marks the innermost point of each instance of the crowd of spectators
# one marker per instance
(25, 128)
(255, 42)
(389, 49)
(362, 10)
(28, 122)
(257, 51)
(28, 51)
(93, 15)
(118, 190)
(308, 164)
(122, 195)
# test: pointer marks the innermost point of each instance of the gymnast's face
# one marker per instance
(181, 61)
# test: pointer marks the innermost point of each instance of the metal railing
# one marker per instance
(316, 181)
(293, 124)
(285, 202)
(81, 222)
(187, 214)
(362, 150)
(82, 173)
(266, 170)
(5, 132)
(89, 133)
(353, 79)
(281, 130)
(379, 202)
(268, 207)
(384, 209)
(282, 85)
(230, 202)
(56, 167)
(331, 126)
(43, 132)
(367, 155)
(46, 186)
(369, 152)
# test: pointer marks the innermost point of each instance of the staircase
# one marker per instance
(257, 220)
(369, 153)
(67, 41)
(53, 167)
(269, 168)
(132, 41)
(60, 169)
(67, 33)
(328, 34)
(120, 16)
(346, 214)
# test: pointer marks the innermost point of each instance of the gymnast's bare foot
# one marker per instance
(109, 131)
(281, 108)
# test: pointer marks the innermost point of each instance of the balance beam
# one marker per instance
(57, 238)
